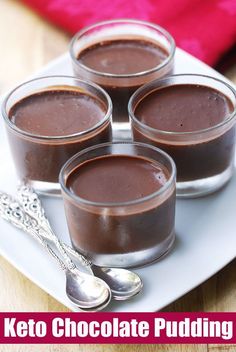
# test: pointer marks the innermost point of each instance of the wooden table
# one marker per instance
(27, 43)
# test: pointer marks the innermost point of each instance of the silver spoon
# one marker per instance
(78, 291)
(86, 291)
(123, 283)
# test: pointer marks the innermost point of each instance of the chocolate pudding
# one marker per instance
(48, 127)
(122, 58)
(118, 178)
(187, 108)
(113, 180)
(57, 113)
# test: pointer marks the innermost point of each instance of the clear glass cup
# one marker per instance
(204, 158)
(125, 234)
(120, 87)
(38, 159)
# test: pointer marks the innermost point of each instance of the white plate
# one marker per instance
(205, 227)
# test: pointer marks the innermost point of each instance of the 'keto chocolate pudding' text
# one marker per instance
(120, 56)
(120, 203)
(52, 122)
(192, 118)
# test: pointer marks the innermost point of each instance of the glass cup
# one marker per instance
(125, 234)
(204, 158)
(38, 159)
(120, 87)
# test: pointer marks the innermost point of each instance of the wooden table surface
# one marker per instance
(27, 42)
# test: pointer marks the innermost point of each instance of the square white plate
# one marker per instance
(205, 228)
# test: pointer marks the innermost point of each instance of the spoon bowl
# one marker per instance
(123, 283)
(86, 291)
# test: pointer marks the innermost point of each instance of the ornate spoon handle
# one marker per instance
(11, 211)
(32, 205)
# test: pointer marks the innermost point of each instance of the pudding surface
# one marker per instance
(117, 178)
(124, 56)
(57, 112)
(183, 108)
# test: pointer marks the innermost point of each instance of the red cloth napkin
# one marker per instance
(204, 28)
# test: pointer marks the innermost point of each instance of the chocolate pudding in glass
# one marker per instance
(50, 119)
(120, 56)
(192, 118)
(119, 201)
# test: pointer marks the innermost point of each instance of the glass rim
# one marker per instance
(69, 136)
(83, 201)
(163, 64)
(229, 118)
